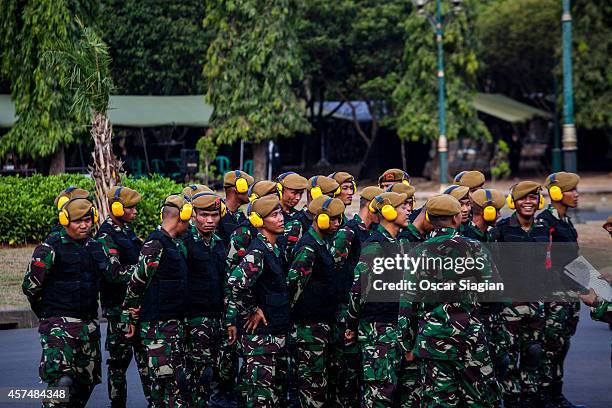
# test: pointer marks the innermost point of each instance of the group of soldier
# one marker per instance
(270, 307)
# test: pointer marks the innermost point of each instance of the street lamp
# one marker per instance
(569, 140)
(437, 23)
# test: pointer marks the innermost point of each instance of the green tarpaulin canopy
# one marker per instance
(507, 109)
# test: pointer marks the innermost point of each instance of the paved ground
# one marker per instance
(588, 371)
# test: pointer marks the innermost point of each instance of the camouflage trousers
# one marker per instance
(408, 394)
(70, 348)
(310, 358)
(345, 366)
(381, 357)
(163, 341)
(228, 365)
(524, 324)
(202, 343)
(265, 369)
(120, 351)
(561, 320)
(469, 381)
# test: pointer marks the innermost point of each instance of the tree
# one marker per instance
(251, 67)
(44, 123)
(87, 63)
(416, 97)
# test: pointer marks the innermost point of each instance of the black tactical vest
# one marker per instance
(205, 278)
(319, 300)
(73, 286)
(129, 249)
(166, 295)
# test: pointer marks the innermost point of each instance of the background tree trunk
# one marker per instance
(58, 161)
(260, 160)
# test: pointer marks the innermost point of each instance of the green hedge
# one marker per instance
(27, 211)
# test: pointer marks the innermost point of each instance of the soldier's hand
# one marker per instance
(589, 298)
(409, 356)
(254, 319)
(349, 336)
(232, 334)
(131, 331)
(606, 274)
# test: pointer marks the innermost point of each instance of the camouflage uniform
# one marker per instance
(311, 336)
(162, 338)
(376, 325)
(293, 231)
(450, 341)
(70, 339)
(265, 351)
(118, 346)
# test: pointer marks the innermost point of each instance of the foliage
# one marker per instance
(157, 48)
(27, 31)
(416, 96)
(500, 167)
(208, 151)
(28, 213)
(251, 66)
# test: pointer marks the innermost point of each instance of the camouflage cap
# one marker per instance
(265, 205)
(326, 205)
(402, 188)
(262, 188)
(523, 188)
(370, 192)
(127, 196)
(342, 177)
(229, 179)
(193, 189)
(206, 200)
(292, 180)
(469, 179)
(78, 208)
(443, 205)
(326, 184)
(394, 199)
(457, 191)
(69, 193)
(394, 175)
(564, 180)
(495, 198)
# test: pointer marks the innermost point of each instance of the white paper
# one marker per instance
(585, 274)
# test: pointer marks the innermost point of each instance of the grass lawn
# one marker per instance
(13, 263)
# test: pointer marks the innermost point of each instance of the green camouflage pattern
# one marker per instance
(293, 232)
(345, 364)
(560, 322)
(239, 242)
(602, 311)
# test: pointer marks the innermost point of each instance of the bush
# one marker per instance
(27, 212)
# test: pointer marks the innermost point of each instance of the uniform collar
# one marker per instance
(197, 237)
(384, 232)
(269, 246)
(414, 231)
(477, 230)
(115, 226)
(444, 232)
(556, 214)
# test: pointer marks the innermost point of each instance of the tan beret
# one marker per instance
(523, 188)
(262, 188)
(564, 180)
(264, 205)
(443, 205)
(342, 177)
(229, 179)
(403, 189)
(126, 196)
(206, 200)
(78, 208)
(394, 175)
(69, 193)
(194, 189)
(370, 192)
(175, 200)
(470, 179)
(333, 206)
(327, 185)
(494, 198)
(457, 191)
(292, 180)
(394, 199)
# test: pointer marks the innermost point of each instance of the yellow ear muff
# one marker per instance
(542, 202)
(64, 218)
(253, 197)
(117, 209)
(241, 185)
(510, 202)
(371, 207)
(316, 192)
(323, 221)
(96, 215)
(406, 182)
(555, 193)
(338, 191)
(223, 209)
(161, 214)
(186, 212)
(389, 212)
(255, 220)
(60, 203)
(279, 187)
(427, 216)
(489, 213)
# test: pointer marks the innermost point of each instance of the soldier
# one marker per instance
(258, 291)
(485, 207)
(407, 189)
(374, 322)
(347, 189)
(123, 246)
(450, 341)
(561, 317)
(317, 186)
(391, 177)
(62, 198)
(313, 293)
(472, 179)
(291, 186)
(236, 184)
(156, 298)
(205, 280)
(62, 284)
(462, 193)
(193, 189)
(523, 321)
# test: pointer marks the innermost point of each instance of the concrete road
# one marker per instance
(588, 375)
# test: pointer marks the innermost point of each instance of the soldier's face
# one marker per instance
(207, 220)
(79, 229)
(386, 184)
(527, 205)
(129, 214)
(402, 215)
(291, 197)
(466, 209)
(334, 224)
(274, 222)
(570, 198)
(346, 193)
